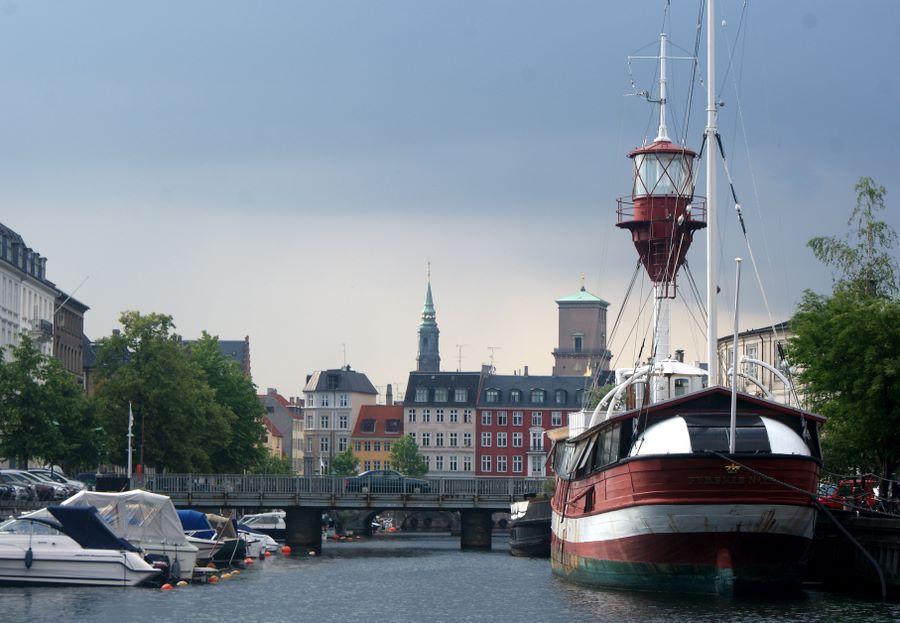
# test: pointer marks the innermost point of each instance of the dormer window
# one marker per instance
(515, 396)
(559, 396)
(492, 395)
(440, 394)
(537, 395)
(421, 394)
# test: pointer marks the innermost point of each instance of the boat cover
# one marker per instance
(225, 527)
(196, 523)
(135, 515)
(82, 524)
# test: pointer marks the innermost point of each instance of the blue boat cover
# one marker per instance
(197, 524)
(85, 527)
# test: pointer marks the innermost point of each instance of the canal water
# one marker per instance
(400, 578)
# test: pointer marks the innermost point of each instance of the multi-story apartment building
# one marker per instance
(762, 345)
(513, 414)
(377, 428)
(274, 441)
(27, 297)
(333, 399)
(68, 335)
(439, 414)
(284, 418)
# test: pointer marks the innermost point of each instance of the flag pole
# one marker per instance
(130, 435)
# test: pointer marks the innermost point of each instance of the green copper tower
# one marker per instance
(429, 357)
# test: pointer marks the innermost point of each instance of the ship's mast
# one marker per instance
(661, 309)
(712, 229)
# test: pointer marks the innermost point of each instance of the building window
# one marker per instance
(454, 440)
(537, 441)
(492, 395)
(537, 466)
(426, 440)
(439, 462)
(751, 367)
(343, 421)
(460, 395)
(454, 416)
(421, 394)
(344, 400)
(358, 446)
(517, 440)
(501, 440)
(440, 394)
(411, 415)
(311, 400)
(559, 396)
(439, 416)
(426, 415)
(486, 462)
(515, 396)
(467, 463)
(537, 418)
(310, 419)
(467, 416)
(467, 440)
(453, 463)
(578, 341)
(387, 448)
(485, 418)
(387, 464)
(367, 465)
(439, 440)
(367, 446)
(326, 400)
(486, 439)
(309, 444)
(517, 464)
(517, 418)
(377, 446)
(342, 443)
(537, 396)
(556, 418)
(377, 464)
(323, 420)
(501, 418)
(412, 435)
(324, 444)
(501, 464)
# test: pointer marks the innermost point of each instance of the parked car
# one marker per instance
(72, 486)
(46, 489)
(385, 481)
(858, 493)
(12, 492)
(10, 476)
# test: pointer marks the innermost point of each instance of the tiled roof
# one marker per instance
(272, 428)
(373, 421)
(340, 380)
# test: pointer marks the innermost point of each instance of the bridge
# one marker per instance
(305, 498)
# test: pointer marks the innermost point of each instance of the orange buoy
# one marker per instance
(213, 579)
(267, 554)
(248, 561)
(392, 529)
(166, 587)
(286, 550)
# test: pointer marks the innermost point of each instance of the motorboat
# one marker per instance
(271, 523)
(529, 527)
(215, 536)
(146, 520)
(69, 546)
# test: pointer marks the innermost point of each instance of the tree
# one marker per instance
(847, 345)
(242, 409)
(405, 457)
(271, 464)
(344, 463)
(178, 424)
(43, 411)
(862, 259)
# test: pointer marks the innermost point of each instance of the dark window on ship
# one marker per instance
(709, 433)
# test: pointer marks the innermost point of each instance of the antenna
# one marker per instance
(344, 347)
(492, 349)
(459, 348)
(66, 300)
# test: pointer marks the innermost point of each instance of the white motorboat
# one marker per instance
(148, 521)
(70, 546)
(271, 523)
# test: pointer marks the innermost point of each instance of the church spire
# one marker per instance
(428, 358)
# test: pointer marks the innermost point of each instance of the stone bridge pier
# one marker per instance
(475, 529)
(303, 529)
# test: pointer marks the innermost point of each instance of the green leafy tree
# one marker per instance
(406, 459)
(241, 407)
(179, 426)
(271, 464)
(862, 259)
(847, 345)
(43, 411)
(344, 463)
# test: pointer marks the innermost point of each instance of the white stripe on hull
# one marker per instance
(686, 518)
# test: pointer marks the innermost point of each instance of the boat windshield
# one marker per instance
(23, 526)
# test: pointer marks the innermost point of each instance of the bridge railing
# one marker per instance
(239, 484)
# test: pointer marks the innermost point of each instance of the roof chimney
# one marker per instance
(679, 355)
(389, 395)
(526, 371)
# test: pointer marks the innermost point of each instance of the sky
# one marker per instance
(286, 170)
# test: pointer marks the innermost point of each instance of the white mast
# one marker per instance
(661, 310)
(711, 227)
(663, 134)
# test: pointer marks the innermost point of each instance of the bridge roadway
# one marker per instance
(304, 498)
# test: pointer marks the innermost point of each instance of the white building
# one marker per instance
(27, 297)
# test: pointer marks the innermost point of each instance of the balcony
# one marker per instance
(41, 330)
